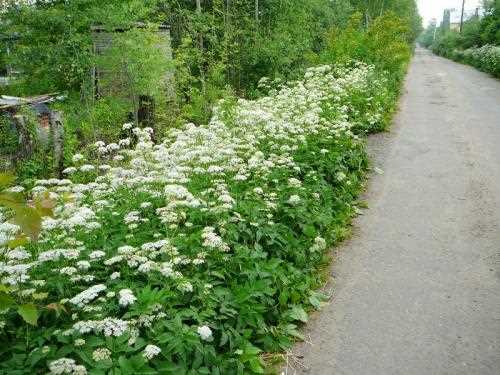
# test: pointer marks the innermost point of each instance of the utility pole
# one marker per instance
(462, 16)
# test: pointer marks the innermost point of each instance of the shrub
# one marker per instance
(485, 58)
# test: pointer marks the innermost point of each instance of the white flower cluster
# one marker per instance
(212, 240)
(209, 171)
(319, 244)
(88, 295)
(205, 333)
(66, 366)
(107, 326)
(101, 354)
(151, 351)
(126, 297)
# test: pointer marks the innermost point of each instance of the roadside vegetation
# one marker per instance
(478, 44)
(194, 245)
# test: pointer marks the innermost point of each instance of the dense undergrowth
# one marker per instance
(198, 254)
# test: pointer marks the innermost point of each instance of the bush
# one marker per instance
(485, 58)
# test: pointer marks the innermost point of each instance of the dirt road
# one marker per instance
(417, 288)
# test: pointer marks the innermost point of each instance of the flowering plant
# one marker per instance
(197, 254)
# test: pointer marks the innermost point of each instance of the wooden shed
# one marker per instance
(103, 39)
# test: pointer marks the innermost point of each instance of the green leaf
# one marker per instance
(29, 220)
(309, 231)
(4, 288)
(6, 179)
(317, 300)
(256, 366)
(291, 329)
(125, 365)
(6, 301)
(29, 313)
(298, 313)
(19, 241)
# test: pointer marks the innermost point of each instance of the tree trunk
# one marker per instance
(200, 43)
(200, 34)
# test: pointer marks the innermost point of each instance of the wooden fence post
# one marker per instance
(57, 136)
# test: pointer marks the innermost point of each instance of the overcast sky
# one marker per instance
(434, 8)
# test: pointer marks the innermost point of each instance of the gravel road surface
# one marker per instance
(416, 290)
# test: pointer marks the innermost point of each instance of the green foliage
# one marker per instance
(135, 65)
(53, 52)
(477, 44)
(222, 48)
(485, 58)
(388, 44)
(27, 216)
(54, 49)
(385, 44)
(255, 294)
(8, 141)
(489, 27)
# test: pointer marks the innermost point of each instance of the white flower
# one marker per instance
(114, 275)
(79, 342)
(62, 366)
(126, 297)
(258, 190)
(127, 126)
(124, 142)
(112, 147)
(132, 217)
(107, 326)
(79, 370)
(87, 168)
(205, 333)
(151, 351)
(77, 157)
(185, 286)
(83, 265)
(319, 244)
(87, 295)
(68, 271)
(19, 253)
(101, 354)
(15, 189)
(97, 254)
(294, 199)
(294, 182)
(212, 240)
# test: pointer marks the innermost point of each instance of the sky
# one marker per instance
(434, 8)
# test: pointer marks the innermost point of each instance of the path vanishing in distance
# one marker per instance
(416, 289)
